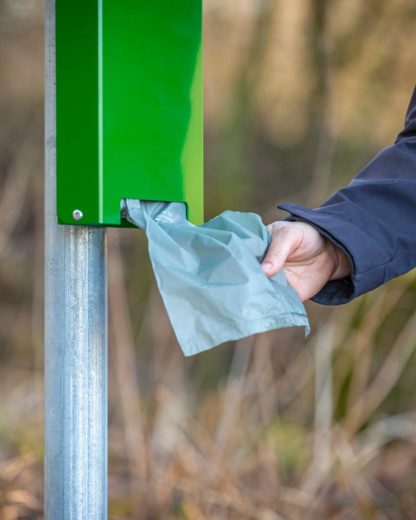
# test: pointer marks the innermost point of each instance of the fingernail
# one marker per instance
(267, 267)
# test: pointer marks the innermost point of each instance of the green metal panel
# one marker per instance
(129, 106)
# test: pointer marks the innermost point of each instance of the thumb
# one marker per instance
(281, 246)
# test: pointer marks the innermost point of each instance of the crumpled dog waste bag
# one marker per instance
(210, 277)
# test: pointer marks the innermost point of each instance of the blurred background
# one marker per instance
(300, 94)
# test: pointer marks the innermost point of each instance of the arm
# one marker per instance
(371, 222)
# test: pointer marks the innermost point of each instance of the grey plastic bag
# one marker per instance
(210, 277)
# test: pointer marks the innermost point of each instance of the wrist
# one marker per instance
(340, 261)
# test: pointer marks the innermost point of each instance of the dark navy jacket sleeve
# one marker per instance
(373, 219)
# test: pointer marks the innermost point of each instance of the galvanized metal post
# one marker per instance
(75, 344)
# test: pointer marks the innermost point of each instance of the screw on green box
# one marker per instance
(129, 107)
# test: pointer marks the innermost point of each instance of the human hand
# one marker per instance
(309, 259)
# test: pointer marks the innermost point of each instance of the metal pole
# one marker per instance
(75, 344)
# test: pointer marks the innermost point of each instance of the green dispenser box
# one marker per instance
(129, 107)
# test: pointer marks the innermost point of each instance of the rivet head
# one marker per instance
(77, 214)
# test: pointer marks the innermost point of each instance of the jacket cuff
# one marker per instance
(359, 247)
